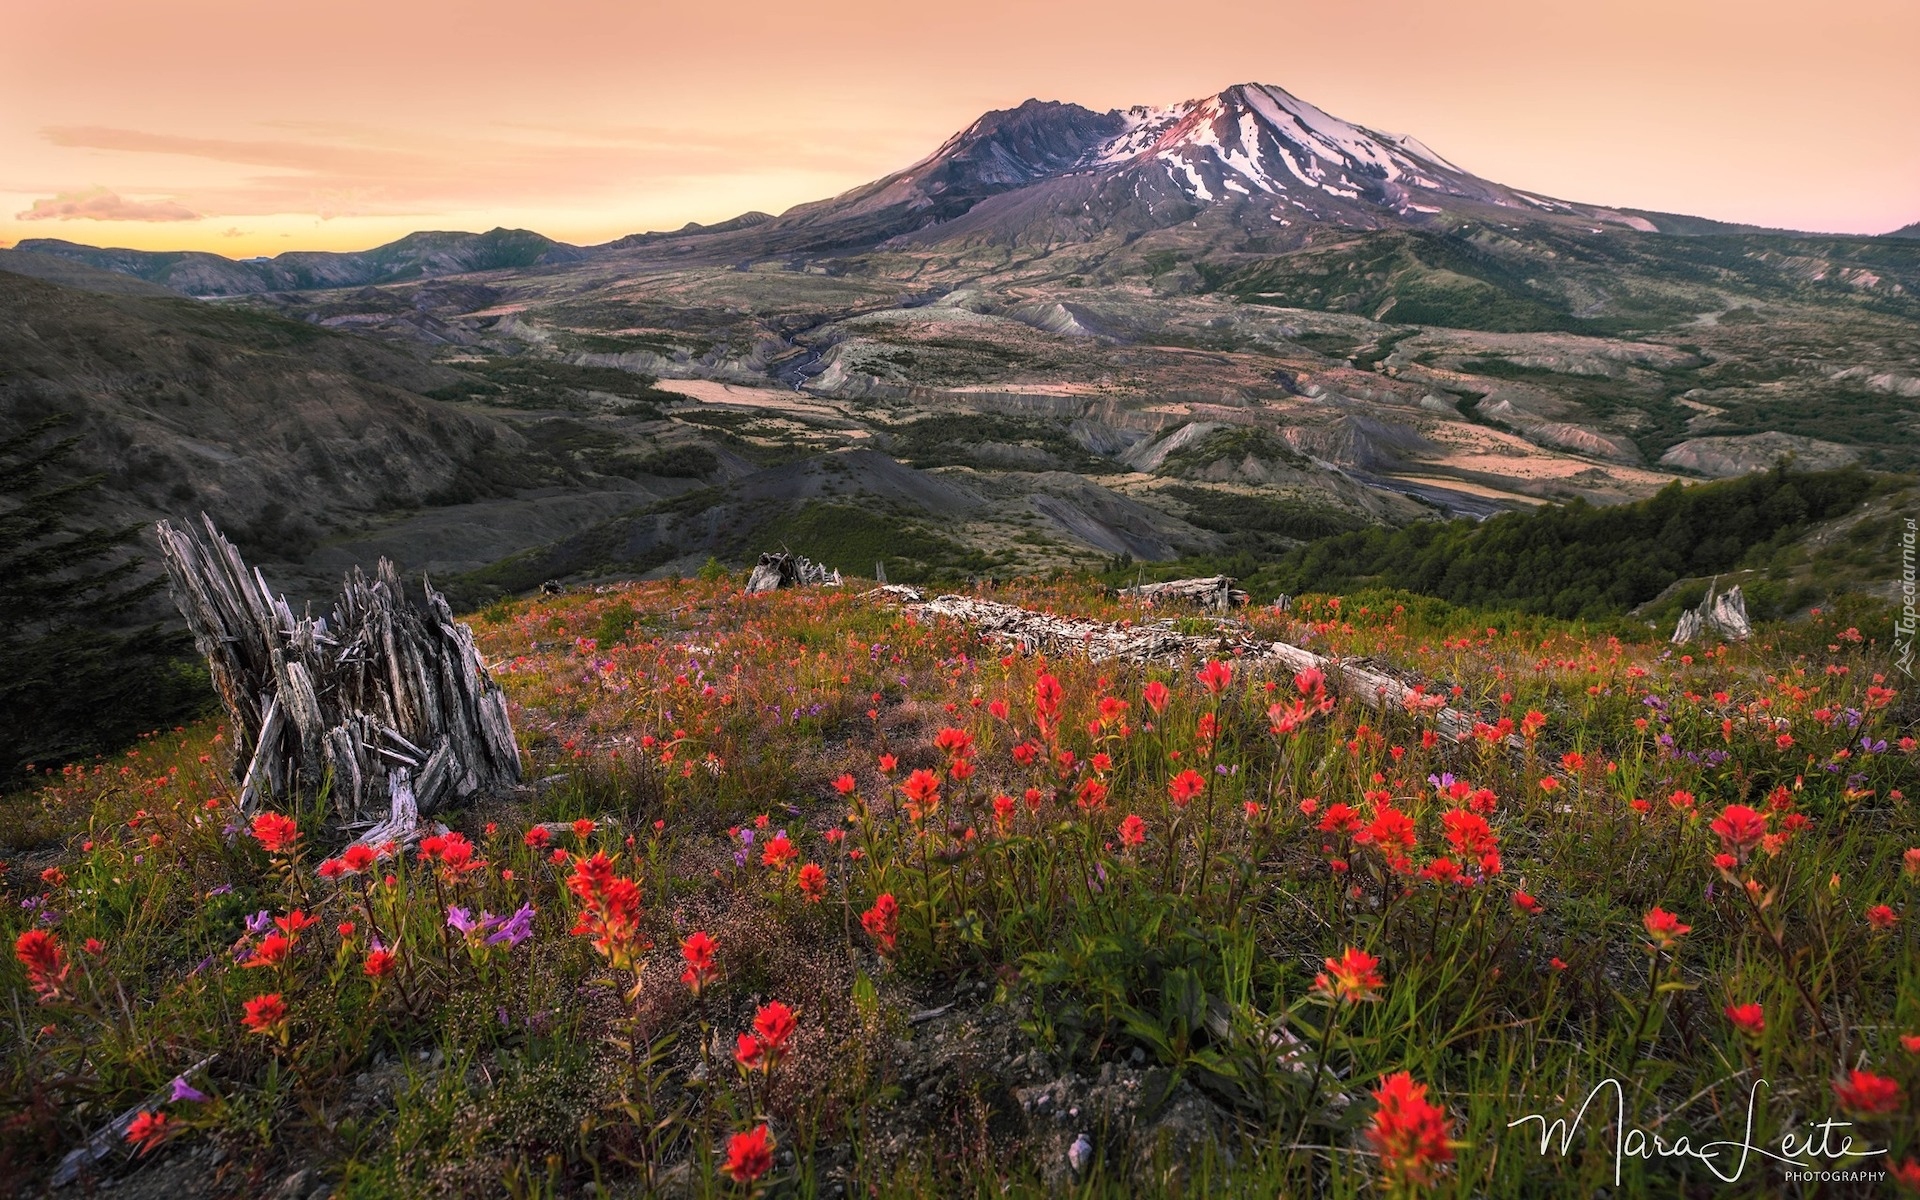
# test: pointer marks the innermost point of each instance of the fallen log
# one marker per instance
(383, 704)
(1164, 642)
(1213, 592)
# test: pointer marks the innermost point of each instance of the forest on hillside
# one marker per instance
(1576, 560)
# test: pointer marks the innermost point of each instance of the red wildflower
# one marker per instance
(265, 1014)
(276, 834)
(774, 1024)
(1047, 695)
(1740, 829)
(749, 1155)
(1665, 927)
(1532, 724)
(1156, 696)
(1882, 917)
(1351, 977)
(882, 922)
(779, 853)
(1092, 795)
(1468, 832)
(763, 1049)
(813, 883)
(379, 963)
(1112, 708)
(954, 743)
(1216, 676)
(748, 1052)
(1133, 831)
(1526, 903)
(1408, 1132)
(1004, 807)
(1389, 830)
(922, 790)
(538, 837)
(1867, 1094)
(1185, 786)
(845, 785)
(1311, 683)
(148, 1130)
(39, 952)
(1749, 1019)
(272, 951)
(697, 950)
(1340, 818)
(610, 910)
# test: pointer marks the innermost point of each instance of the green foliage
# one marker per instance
(990, 440)
(678, 462)
(1575, 560)
(1258, 524)
(853, 538)
(75, 679)
(1234, 444)
(530, 382)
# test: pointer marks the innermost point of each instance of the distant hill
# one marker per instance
(76, 274)
(416, 256)
(277, 428)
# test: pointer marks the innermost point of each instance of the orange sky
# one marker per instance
(251, 128)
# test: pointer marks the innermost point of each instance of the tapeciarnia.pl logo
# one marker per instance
(1903, 625)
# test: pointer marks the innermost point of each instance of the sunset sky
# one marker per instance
(253, 128)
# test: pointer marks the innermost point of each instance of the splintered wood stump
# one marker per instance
(384, 702)
(784, 570)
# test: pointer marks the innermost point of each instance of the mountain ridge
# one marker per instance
(420, 255)
(1254, 166)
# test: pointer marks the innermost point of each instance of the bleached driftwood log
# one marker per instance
(1724, 614)
(784, 570)
(386, 699)
(1163, 642)
(1213, 592)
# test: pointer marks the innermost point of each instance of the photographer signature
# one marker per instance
(1801, 1151)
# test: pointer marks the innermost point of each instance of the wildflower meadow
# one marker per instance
(809, 895)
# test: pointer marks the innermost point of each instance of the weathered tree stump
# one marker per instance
(1724, 614)
(785, 570)
(385, 703)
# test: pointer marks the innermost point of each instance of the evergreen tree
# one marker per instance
(77, 676)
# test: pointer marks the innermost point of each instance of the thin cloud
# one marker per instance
(100, 204)
(335, 170)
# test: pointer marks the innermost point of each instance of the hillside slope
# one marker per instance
(277, 429)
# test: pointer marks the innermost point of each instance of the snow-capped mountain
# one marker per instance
(1254, 157)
